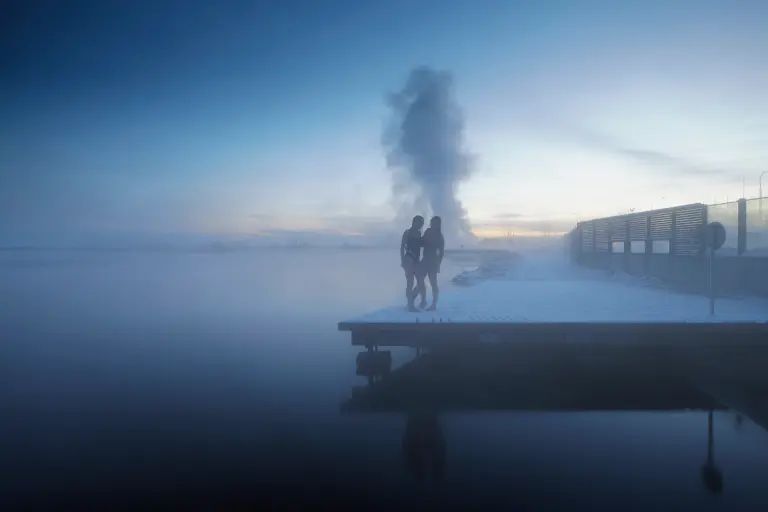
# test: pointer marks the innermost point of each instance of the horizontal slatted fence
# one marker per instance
(689, 221)
(587, 236)
(668, 244)
(661, 226)
(602, 235)
(638, 227)
(680, 227)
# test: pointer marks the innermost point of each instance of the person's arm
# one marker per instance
(441, 247)
(402, 247)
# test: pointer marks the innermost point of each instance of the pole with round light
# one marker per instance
(714, 238)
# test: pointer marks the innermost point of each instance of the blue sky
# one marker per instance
(247, 117)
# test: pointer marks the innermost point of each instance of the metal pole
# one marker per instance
(711, 281)
(710, 439)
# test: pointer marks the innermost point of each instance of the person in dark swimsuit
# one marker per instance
(410, 256)
(434, 247)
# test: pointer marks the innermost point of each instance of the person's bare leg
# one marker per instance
(421, 289)
(416, 291)
(435, 289)
(409, 292)
(409, 279)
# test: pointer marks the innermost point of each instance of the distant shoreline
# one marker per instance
(213, 249)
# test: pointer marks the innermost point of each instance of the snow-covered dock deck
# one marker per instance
(564, 305)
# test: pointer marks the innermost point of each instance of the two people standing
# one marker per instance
(418, 268)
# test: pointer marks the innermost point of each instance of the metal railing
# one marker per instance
(757, 227)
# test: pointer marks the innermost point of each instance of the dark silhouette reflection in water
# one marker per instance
(424, 446)
(571, 382)
(710, 473)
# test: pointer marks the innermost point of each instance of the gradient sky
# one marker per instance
(240, 117)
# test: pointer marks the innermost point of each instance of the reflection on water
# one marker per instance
(424, 445)
(647, 398)
(710, 473)
(146, 373)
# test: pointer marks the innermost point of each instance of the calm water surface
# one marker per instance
(143, 371)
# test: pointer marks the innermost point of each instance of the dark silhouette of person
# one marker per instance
(424, 446)
(434, 247)
(410, 257)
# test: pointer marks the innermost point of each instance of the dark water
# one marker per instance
(205, 376)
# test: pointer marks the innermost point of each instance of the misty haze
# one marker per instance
(408, 255)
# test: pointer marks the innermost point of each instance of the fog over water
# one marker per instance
(117, 366)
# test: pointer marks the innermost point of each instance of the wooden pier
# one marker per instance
(447, 381)
(497, 379)
(566, 312)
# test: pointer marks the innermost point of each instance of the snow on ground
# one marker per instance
(546, 288)
(496, 265)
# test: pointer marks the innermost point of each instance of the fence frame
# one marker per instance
(673, 248)
(696, 215)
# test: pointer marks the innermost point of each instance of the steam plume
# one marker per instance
(424, 145)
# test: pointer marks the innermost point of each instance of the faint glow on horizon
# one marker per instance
(512, 234)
